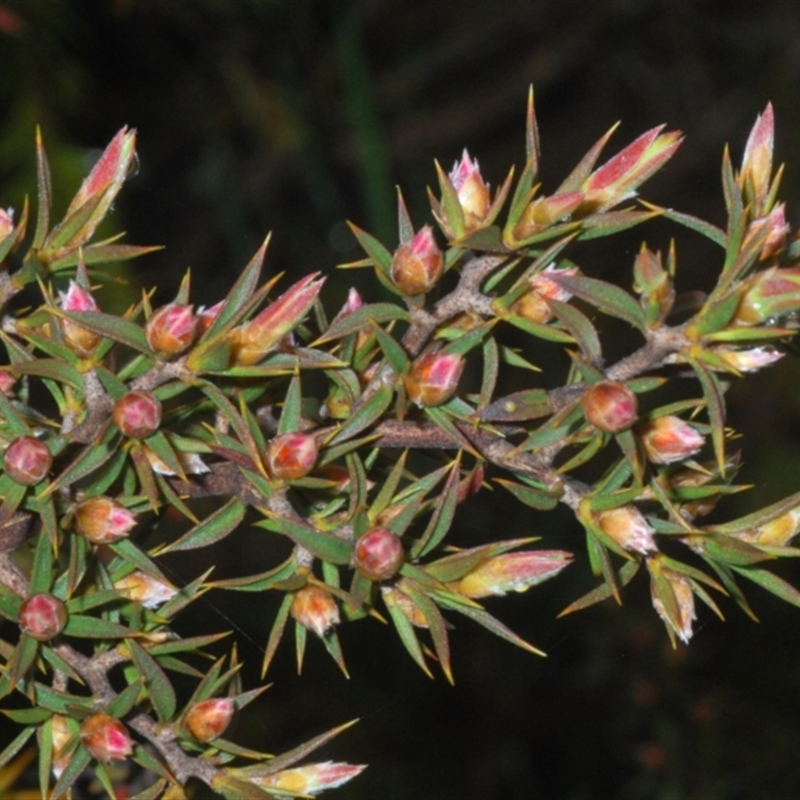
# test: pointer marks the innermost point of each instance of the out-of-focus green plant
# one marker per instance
(308, 428)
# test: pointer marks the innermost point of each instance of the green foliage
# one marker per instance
(314, 432)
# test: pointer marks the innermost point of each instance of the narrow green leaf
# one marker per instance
(374, 312)
(322, 545)
(120, 330)
(540, 499)
(162, 695)
(715, 403)
(772, 583)
(16, 745)
(405, 630)
(42, 571)
(94, 628)
(125, 700)
(364, 414)
(580, 327)
(607, 297)
(213, 528)
(436, 625)
(395, 354)
(292, 406)
(443, 514)
(380, 256)
(519, 407)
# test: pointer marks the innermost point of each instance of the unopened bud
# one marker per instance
(379, 554)
(770, 293)
(512, 572)
(610, 406)
(396, 598)
(171, 329)
(27, 461)
(678, 612)
(433, 379)
(145, 589)
(628, 528)
(291, 456)
(6, 223)
(779, 531)
(102, 520)
(543, 212)
(209, 719)
(751, 360)
(7, 381)
(532, 305)
(778, 229)
(756, 169)
(61, 734)
(472, 190)
(137, 414)
(669, 439)
(314, 608)
(106, 738)
(311, 779)
(207, 316)
(418, 264)
(42, 616)
(80, 340)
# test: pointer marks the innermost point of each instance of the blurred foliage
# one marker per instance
(292, 116)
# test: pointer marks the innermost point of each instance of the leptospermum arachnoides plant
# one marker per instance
(106, 421)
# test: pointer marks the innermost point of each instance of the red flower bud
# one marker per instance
(208, 719)
(7, 381)
(102, 520)
(610, 406)
(171, 329)
(314, 608)
(668, 439)
(418, 264)
(434, 378)
(137, 414)
(27, 461)
(379, 554)
(770, 293)
(512, 572)
(106, 738)
(207, 316)
(42, 616)
(80, 340)
(292, 455)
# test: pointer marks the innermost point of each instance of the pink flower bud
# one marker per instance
(7, 381)
(171, 329)
(756, 171)
(80, 340)
(137, 414)
(678, 611)
(106, 738)
(352, 304)
(209, 719)
(532, 305)
(543, 212)
(61, 734)
(770, 293)
(473, 192)
(750, 360)
(253, 340)
(42, 616)
(27, 461)
(628, 528)
(394, 597)
(311, 779)
(291, 456)
(434, 377)
(315, 609)
(207, 316)
(145, 589)
(418, 264)
(610, 406)
(669, 439)
(778, 229)
(512, 572)
(379, 554)
(619, 177)
(102, 520)
(6, 223)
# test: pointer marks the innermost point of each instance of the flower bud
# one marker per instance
(61, 734)
(137, 414)
(677, 611)
(472, 190)
(532, 305)
(418, 264)
(610, 406)
(292, 455)
(27, 461)
(314, 608)
(395, 598)
(7, 381)
(145, 589)
(42, 616)
(379, 554)
(628, 528)
(512, 572)
(434, 378)
(80, 340)
(207, 316)
(750, 360)
(778, 230)
(209, 719)
(102, 520)
(106, 738)
(779, 531)
(770, 293)
(756, 171)
(171, 329)
(669, 439)
(6, 223)
(310, 779)
(543, 212)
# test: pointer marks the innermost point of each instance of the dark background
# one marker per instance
(293, 116)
